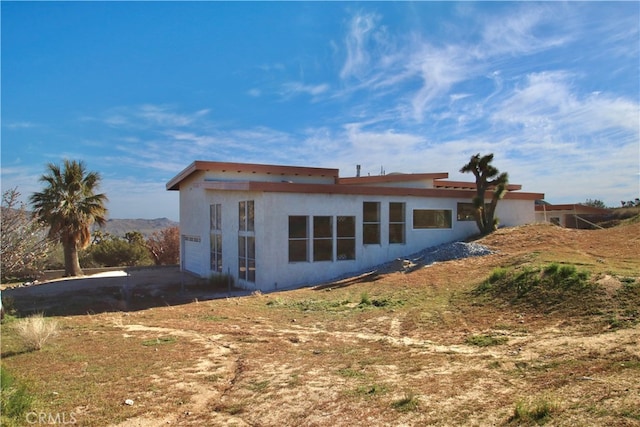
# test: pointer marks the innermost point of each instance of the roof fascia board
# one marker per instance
(200, 165)
(401, 177)
(469, 185)
(287, 187)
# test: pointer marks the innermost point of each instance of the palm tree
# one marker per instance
(69, 205)
(487, 177)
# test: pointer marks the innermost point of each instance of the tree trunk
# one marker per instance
(71, 263)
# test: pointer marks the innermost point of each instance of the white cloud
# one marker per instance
(295, 88)
(150, 115)
(357, 39)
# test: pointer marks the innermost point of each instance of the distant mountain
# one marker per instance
(119, 227)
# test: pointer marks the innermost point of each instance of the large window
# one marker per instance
(431, 218)
(346, 243)
(396, 223)
(246, 242)
(316, 240)
(371, 223)
(246, 214)
(298, 239)
(322, 238)
(215, 220)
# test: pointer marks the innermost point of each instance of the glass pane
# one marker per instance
(242, 268)
(427, 218)
(251, 247)
(346, 249)
(396, 212)
(298, 251)
(323, 250)
(346, 226)
(371, 233)
(212, 217)
(218, 217)
(371, 211)
(242, 216)
(242, 249)
(250, 215)
(322, 226)
(251, 276)
(396, 233)
(297, 227)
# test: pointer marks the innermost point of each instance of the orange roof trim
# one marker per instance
(200, 165)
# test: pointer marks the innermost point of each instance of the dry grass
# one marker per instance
(34, 331)
(407, 349)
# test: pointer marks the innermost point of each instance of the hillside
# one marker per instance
(441, 345)
(120, 227)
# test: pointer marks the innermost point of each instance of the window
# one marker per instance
(298, 239)
(246, 212)
(246, 242)
(371, 223)
(322, 238)
(396, 223)
(466, 212)
(215, 220)
(431, 218)
(247, 258)
(346, 243)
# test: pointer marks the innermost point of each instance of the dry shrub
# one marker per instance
(35, 330)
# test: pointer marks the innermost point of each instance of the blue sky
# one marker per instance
(138, 90)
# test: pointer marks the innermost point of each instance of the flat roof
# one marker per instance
(290, 187)
(572, 207)
(395, 177)
(200, 165)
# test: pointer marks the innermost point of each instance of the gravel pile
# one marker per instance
(440, 253)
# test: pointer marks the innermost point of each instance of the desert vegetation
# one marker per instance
(543, 331)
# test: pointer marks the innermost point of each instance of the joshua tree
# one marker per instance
(487, 177)
(69, 205)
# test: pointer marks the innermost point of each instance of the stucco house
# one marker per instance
(274, 227)
(570, 215)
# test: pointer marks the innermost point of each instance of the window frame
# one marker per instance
(447, 216)
(322, 238)
(371, 225)
(215, 243)
(345, 243)
(398, 224)
(299, 239)
(246, 241)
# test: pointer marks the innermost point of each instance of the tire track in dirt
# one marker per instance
(191, 378)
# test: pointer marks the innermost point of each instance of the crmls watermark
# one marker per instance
(59, 418)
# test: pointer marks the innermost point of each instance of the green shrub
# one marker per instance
(15, 400)
(364, 299)
(554, 285)
(485, 340)
(537, 412)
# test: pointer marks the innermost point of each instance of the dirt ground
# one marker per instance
(391, 351)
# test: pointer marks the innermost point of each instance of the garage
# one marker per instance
(192, 254)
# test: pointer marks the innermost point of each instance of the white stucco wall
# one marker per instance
(272, 211)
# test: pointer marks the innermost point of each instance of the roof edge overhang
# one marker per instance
(469, 185)
(200, 165)
(572, 207)
(400, 177)
(288, 187)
